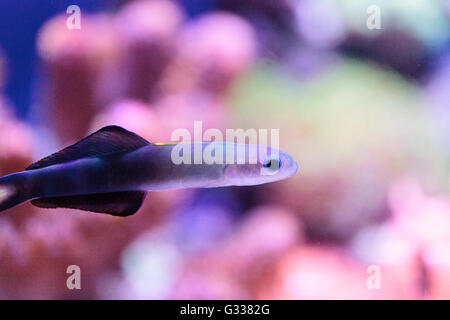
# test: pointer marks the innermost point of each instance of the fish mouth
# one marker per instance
(295, 167)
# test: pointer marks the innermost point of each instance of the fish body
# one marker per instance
(112, 170)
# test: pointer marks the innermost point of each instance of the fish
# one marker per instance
(112, 170)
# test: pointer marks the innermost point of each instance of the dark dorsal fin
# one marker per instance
(116, 203)
(108, 140)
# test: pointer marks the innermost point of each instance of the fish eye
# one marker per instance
(272, 164)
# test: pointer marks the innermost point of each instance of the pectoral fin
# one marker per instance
(117, 203)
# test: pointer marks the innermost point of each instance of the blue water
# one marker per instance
(19, 22)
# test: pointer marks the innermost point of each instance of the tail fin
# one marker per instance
(9, 193)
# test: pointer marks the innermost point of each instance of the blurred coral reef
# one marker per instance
(366, 116)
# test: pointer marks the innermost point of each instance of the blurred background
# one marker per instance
(365, 112)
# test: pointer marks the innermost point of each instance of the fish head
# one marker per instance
(263, 165)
